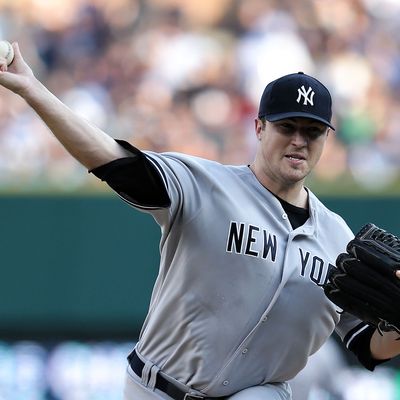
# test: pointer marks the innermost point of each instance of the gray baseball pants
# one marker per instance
(134, 390)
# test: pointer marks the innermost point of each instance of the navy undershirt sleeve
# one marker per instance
(360, 346)
(135, 178)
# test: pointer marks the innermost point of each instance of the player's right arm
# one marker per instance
(85, 142)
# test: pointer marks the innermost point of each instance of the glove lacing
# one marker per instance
(386, 238)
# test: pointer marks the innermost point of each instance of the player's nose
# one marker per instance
(299, 139)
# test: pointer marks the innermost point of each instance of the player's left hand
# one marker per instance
(366, 280)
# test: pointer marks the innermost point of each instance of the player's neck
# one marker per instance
(297, 198)
(295, 194)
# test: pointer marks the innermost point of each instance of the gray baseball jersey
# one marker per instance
(237, 301)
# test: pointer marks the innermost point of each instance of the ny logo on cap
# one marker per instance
(308, 95)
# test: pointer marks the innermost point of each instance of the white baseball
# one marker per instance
(6, 51)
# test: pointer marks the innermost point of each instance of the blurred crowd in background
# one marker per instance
(179, 75)
(71, 370)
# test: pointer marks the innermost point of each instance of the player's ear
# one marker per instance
(259, 126)
(328, 131)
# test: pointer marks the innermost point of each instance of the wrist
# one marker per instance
(33, 92)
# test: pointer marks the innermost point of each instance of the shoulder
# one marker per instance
(195, 165)
(181, 158)
(329, 217)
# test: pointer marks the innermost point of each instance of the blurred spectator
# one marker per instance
(186, 75)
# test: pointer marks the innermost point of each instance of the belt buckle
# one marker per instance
(189, 396)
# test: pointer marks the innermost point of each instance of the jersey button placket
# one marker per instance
(264, 318)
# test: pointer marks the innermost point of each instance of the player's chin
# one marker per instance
(296, 175)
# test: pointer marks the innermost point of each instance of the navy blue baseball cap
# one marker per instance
(296, 95)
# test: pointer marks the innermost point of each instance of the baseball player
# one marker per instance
(237, 307)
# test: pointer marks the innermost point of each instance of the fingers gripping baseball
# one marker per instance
(17, 75)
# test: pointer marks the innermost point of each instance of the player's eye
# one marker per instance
(286, 127)
(314, 132)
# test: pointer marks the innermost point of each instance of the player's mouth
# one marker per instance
(295, 158)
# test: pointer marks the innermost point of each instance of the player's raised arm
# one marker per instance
(88, 144)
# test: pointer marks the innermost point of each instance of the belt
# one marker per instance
(162, 384)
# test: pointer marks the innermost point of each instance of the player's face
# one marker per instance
(289, 149)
